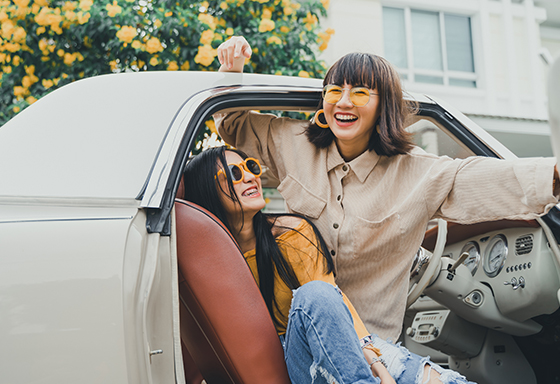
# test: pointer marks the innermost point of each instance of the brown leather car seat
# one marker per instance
(225, 325)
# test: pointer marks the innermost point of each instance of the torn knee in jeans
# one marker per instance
(315, 369)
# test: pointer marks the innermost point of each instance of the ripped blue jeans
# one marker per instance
(321, 345)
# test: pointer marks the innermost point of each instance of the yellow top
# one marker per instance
(300, 248)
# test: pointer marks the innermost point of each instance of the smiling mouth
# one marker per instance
(345, 118)
(251, 192)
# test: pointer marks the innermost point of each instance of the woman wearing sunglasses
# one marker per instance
(324, 339)
(354, 171)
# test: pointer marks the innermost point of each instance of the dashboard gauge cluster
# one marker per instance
(493, 259)
(473, 260)
(495, 255)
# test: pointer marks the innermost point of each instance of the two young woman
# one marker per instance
(324, 339)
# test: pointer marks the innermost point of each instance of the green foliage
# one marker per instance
(46, 44)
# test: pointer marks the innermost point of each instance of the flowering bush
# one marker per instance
(45, 44)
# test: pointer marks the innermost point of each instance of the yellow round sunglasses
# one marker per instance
(359, 96)
(236, 171)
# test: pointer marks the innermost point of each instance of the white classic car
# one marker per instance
(105, 278)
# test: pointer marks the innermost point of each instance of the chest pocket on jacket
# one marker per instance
(300, 199)
(380, 240)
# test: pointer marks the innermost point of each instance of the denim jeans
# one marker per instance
(321, 345)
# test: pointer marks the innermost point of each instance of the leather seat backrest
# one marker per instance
(224, 322)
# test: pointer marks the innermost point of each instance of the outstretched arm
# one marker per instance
(232, 54)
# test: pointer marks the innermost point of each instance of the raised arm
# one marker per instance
(232, 54)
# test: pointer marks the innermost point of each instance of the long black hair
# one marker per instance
(201, 188)
(373, 72)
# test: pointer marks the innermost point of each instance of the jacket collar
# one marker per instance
(361, 165)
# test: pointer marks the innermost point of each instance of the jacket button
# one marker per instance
(333, 252)
(344, 167)
(335, 225)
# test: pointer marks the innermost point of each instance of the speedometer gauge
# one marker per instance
(473, 260)
(495, 255)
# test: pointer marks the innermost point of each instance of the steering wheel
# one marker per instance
(433, 265)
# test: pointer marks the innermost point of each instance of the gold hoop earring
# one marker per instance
(317, 121)
(378, 129)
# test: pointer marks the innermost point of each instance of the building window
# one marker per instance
(430, 47)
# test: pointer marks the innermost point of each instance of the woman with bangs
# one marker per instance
(355, 173)
(323, 337)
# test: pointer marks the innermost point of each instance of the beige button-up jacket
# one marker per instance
(373, 211)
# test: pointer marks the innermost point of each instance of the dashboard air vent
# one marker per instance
(524, 245)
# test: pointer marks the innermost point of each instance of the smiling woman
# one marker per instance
(368, 189)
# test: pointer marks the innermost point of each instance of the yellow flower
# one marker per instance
(141, 64)
(126, 34)
(154, 61)
(207, 37)
(41, 3)
(158, 23)
(326, 3)
(207, 19)
(288, 11)
(30, 70)
(172, 66)
(7, 69)
(310, 19)
(45, 58)
(69, 6)
(3, 16)
(85, 5)
(278, 73)
(21, 3)
(83, 17)
(303, 74)
(266, 25)
(113, 9)
(71, 15)
(41, 30)
(154, 45)
(69, 58)
(60, 53)
(186, 66)
(3, 57)
(64, 75)
(47, 83)
(266, 14)
(19, 91)
(223, 5)
(229, 31)
(167, 14)
(136, 44)
(31, 99)
(16, 60)
(16, 109)
(205, 55)
(284, 29)
(113, 64)
(274, 40)
(211, 125)
(19, 35)
(130, 1)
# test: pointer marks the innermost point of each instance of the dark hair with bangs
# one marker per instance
(373, 72)
(201, 188)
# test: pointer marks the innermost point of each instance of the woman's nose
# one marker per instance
(345, 99)
(248, 176)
